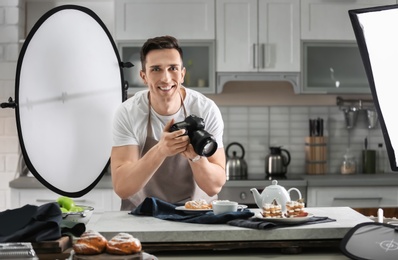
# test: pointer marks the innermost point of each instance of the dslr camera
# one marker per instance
(203, 143)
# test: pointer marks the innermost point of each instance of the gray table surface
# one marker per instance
(153, 230)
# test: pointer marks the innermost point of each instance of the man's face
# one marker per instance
(163, 71)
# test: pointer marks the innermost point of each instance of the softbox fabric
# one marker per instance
(371, 240)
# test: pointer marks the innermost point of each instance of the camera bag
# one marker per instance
(371, 240)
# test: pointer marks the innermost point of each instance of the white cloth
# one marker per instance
(130, 121)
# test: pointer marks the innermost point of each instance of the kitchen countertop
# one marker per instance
(27, 182)
(360, 179)
(327, 180)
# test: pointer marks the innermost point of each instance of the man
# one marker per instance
(147, 159)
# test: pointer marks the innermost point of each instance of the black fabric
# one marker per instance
(166, 211)
(71, 228)
(257, 223)
(371, 240)
(31, 223)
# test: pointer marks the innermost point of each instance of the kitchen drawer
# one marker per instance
(355, 197)
(100, 199)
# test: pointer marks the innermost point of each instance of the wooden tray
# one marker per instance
(105, 256)
(56, 246)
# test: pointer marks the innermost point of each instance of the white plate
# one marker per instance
(287, 220)
(196, 211)
(192, 211)
(242, 207)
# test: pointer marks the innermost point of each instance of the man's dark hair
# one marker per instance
(157, 43)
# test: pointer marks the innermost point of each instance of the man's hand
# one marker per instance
(189, 153)
(173, 143)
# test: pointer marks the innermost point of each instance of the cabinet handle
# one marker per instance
(255, 56)
(362, 198)
(44, 200)
(47, 200)
(266, 55)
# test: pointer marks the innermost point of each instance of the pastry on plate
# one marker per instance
(198, 204)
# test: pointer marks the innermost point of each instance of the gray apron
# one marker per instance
(172, 182)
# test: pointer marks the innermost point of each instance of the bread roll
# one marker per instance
(123, 244)
(90, 243)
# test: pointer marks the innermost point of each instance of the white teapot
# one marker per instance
(273, 192)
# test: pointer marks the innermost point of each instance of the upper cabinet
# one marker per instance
(329, 20)
(37, 8)
(183, 19)
(198, 60)
(258, 35)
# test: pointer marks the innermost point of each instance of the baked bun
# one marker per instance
(197, 204)
(123, 244)
(90, 243)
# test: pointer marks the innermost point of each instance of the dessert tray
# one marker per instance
(294, 220)
(197, 211)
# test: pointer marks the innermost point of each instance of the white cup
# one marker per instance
(220, 207)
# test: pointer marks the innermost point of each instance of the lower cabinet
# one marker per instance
(101, 199)
(355, 197)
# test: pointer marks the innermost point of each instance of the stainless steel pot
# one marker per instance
(236, 167)
(351, 116)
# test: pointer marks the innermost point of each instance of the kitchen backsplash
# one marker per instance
(258, 128)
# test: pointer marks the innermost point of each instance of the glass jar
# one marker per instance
(349, 164)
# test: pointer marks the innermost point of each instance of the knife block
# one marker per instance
(316, 155)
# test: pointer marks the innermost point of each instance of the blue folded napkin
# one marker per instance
(163, 210)
(258, 223)
(31, 223)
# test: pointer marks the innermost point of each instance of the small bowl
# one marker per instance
(80, 216)
(220, 207)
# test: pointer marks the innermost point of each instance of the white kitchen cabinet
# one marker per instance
(258, 35)
(183, 19)
(36, 8)
(101, 199)
(355, 197)
(198, 60)
(329, 19)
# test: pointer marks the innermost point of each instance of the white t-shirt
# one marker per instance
(131, 119)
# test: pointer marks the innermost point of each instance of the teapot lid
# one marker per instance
(274, 185)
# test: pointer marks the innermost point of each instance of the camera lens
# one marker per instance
(210, 148)
(203, 143)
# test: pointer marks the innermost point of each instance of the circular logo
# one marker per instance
(389, 245)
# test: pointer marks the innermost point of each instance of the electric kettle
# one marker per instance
(277, 161)
(236, 167)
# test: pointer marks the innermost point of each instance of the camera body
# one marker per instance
(203, 143)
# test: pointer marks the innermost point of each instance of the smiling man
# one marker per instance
(147, 159)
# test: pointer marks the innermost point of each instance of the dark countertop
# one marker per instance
(327, 180)
(26, 182)
(360, 179)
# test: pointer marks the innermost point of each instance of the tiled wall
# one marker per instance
(11, 30)
(258, 128)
